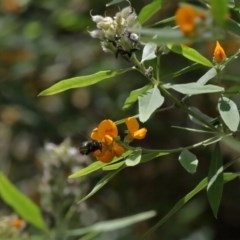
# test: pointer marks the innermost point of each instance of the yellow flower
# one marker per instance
(219, 53)
(186, 18)
(107, 133)
(133, 128)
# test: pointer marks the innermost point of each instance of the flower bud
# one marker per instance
(131, 20)
(97, 34)
(219, 53)
(106, 23)
(126, 11)
(97, 18)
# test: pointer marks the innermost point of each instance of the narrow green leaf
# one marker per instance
(205, 118)
(233, 26)
(202, 185)
(215, 180)
(229, 113)
(150, 155)
(114, 166)
(149, 51)
(134, 159)
(100, 184)
(190, 54)
(112, 225)
(194, 88)
(87, 170)
(219, 10)
(177, 207)
(149, 102)
(210, 74)
(188, 161)
(114, 2)
(23, 205)
(133, 97)
(149, 10)
(163, 35)
(81, 81)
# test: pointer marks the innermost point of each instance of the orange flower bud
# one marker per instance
(219, 53)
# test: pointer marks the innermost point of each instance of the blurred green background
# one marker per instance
(42, 42)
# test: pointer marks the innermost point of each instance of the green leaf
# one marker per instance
(215, 180)
(133, 97)
(149, 52)
(134, 159)
(114, 166)
(112, 225)
(114, 2)
(162, 35)
(149, 10)
(229, 113)
(233, 26)
(219, 10)
(177, 207)
(23, 205)
(188, 161)
(194, 88)
(81, 81)
(201, 116)
(100, 184)
(210, 74)
(202, 185)
(87, 170)
(190, 54)
(149, 102)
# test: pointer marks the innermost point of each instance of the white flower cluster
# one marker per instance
(115, 33)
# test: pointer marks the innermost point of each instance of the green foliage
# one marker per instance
(144, 48)
(113, 224)
(190, 54)
(215, 180)
(188, 160)
(180, 86)
(149, 10)
(149, 102)
(219, 10)
(28, 210)
(82, 81)
(229, 113)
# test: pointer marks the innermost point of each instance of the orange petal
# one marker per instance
(140, 134)
(108, 139)
(105, 156)
(118, 149)
(132, 124)
(185, 19)
(107, 127)
(94, 134)
(219, 53)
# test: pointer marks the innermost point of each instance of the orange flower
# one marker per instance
(18, 223)
(219, 53)
(107, 133)
(133, 128)
(186, 18)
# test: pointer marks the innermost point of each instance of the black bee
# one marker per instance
(90, 146)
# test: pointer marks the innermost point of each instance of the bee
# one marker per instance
(90, 146)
